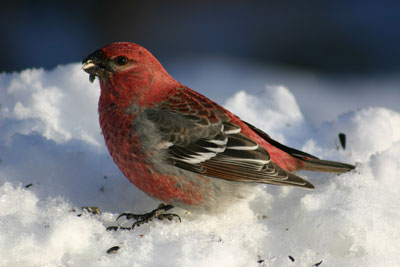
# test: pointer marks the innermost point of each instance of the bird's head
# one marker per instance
(128, 73)
(121, 58)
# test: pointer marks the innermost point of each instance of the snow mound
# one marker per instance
(58, 104)
(275, 110)
(53, 162)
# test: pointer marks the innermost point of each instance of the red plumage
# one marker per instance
(177, 145)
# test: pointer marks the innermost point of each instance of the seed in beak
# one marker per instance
(91, 77)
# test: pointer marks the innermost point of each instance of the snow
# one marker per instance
(53, 162)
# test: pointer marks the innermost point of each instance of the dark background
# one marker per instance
(334, 37)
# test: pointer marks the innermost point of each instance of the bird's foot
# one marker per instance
(158, 213)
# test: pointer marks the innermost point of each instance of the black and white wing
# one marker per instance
(210, 145)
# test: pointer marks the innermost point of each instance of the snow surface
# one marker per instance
(53, 162)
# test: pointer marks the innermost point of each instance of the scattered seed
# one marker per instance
(113, 250)
(317, 264)
(259, 261)
(112, 228)
(28, 185)
(291, 258)
(93, 210)
(342, 139)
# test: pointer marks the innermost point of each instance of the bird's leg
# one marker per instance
(158, 213)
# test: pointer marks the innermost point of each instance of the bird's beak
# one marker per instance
(94, 64)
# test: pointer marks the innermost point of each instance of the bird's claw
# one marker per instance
(140, 219)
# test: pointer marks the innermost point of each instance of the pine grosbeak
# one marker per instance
(177, 145)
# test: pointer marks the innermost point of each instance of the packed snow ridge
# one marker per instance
(53, 162)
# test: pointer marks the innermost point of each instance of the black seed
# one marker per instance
(317, 264)
(342, 139)
(291, 258)
(113, 250)
(28, 185)
(112, 228)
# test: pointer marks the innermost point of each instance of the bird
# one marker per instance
(180, 147)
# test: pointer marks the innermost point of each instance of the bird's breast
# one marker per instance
(117, 129)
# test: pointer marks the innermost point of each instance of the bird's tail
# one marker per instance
(319, 165)
(309, 162)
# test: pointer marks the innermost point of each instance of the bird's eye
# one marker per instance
(121, 60)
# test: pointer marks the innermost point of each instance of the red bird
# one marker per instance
(177, 145)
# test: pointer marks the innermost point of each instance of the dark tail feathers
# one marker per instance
(311, 163)
(318, 165)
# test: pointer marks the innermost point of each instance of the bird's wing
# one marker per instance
(202, 141)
